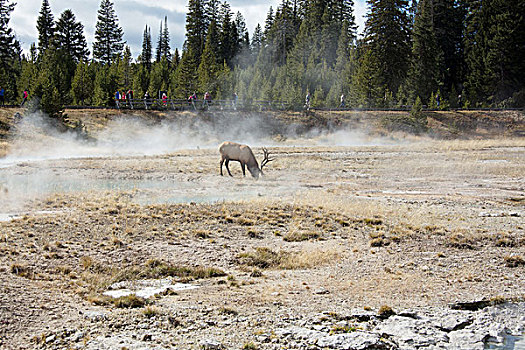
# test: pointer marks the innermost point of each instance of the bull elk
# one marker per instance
(244, 155)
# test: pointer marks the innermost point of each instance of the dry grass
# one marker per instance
(264, 258)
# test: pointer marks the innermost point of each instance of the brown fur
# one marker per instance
(242, 154)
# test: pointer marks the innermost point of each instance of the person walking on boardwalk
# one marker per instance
(129, 97)
(25, 95)
(2, 95)
(146, 100)
(307, 101)
(117, 99)
(342, 104)
(234, 102)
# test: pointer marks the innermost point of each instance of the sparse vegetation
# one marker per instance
(299, 236)
(21, 270)
(151, 311)
(514, 261)
(249, 346)
(385, 311)
(129, 302)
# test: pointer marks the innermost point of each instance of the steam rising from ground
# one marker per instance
(37, 138)
(25, 176)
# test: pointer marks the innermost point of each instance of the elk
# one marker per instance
(244, 155)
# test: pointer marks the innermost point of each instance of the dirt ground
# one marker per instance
(405, 223)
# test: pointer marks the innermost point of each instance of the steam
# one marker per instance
(24, 174)
(37, 138)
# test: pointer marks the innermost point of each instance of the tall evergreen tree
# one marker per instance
(10, 52)
(158, 51)
(209, 66)
(69, 36)
(46, 27)
(82, 85)
(425, 71)
(196, 26)
(228, 37)
(268, 23)
(146, 54)
(387, 39)
(257, 39)
(448, 20)
(166, 49)
(495, 50)
(108, 43)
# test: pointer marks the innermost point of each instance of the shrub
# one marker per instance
(514, 261)
(129, 302)
(385, 311)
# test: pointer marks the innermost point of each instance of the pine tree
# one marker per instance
(105, 86)
(448, 18)
(10, 52)
(228, 37)
(495, 49)
(124, 71)
(53, 85)
(46, 27)
(211, 11)
(268, 24)
(209, 67)
(108, 43)
(158, 51)
(196, 26)
(146, 54)
(257, 39)
(82, 85)
(387, 41)
(425, 71)
(166, 49)
(69, 36)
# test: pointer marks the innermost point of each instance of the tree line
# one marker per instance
(445, 53)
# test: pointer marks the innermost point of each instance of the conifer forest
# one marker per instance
(470, 53)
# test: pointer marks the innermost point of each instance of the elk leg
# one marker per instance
(243, 166)
(222, 162)
(227, 167)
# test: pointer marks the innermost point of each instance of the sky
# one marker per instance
(134, 15)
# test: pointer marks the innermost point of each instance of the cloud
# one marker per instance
(134, 15)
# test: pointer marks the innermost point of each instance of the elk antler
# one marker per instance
(266, 159)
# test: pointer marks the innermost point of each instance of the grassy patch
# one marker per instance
(457, 240)
(129, 302)
(265, 258)
(159, 269)
(151, 311)
(385, 311)
(299, 236)
(514, 261)
(262, 257)
(21, 270)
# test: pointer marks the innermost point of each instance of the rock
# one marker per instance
(321, 291)
(358, 340)
(77, 337)
(211, 344)
(95, 316)
(470, 305)
(362, 315)
(454, 322)
(51, 339)
(411, 333)
(466, 339)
